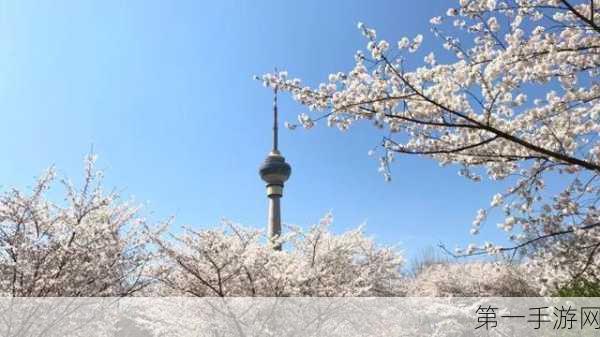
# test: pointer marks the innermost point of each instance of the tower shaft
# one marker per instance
(274, 225)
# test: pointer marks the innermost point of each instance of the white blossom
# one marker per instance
(508, 224)
(306, 121)
(403, 43)
(436, 20)
(416, 43)
(493, 24)
(497, 200)
(430, 59)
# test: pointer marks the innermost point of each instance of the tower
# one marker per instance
(274, 171)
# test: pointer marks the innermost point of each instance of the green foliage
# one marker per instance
(580, 289)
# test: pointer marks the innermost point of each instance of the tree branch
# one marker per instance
(581, 16)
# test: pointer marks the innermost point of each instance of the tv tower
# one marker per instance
(274, 171)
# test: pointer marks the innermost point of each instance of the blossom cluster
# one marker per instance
(518, 100)
(93, 245)
(237, 261)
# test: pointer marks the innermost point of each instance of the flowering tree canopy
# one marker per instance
(518, 99)
(93, 245)
(235, 261)
(475, 279)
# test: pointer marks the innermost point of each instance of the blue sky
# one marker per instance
(164, 92)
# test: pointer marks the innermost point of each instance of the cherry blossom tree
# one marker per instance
(236, 261)
(473, 279)
(91, 245)
(515, 98)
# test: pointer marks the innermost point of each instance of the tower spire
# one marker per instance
(275, 172)
(275, 122)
